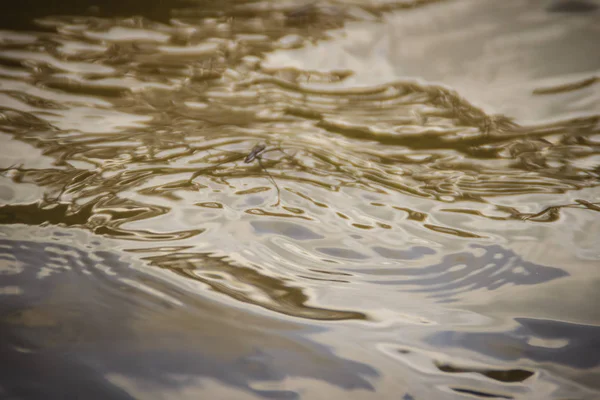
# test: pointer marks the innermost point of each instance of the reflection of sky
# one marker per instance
(578, 347)
(571, 349)
(100, 318)
(469, 271)
(76, 317)
(495, 53)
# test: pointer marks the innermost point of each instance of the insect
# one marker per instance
(255, 153)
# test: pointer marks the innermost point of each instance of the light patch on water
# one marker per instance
(10, 290)
(123, 34)
(149, 290)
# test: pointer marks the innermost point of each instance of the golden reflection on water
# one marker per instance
(412, 155)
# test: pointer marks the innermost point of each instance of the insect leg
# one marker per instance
(212, 167)
(259, 159)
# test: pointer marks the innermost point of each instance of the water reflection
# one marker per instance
(483, 267)
(247, 285)
(561, 346)
(81, 315)
(267, 172)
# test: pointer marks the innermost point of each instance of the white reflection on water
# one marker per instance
(495, 53)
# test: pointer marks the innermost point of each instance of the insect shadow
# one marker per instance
(255, 154)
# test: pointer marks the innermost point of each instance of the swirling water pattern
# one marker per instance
(422, 223)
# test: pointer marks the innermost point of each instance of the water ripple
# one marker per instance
(285, 159)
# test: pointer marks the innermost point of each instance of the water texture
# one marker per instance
(300, 200)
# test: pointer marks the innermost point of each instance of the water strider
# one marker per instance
(255, 153)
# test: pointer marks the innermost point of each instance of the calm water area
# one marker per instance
(345, 199)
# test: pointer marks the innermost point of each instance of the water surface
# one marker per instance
(422, 223)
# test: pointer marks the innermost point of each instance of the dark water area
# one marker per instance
(300, 200)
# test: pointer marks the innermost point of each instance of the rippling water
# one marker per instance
(345, 199)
